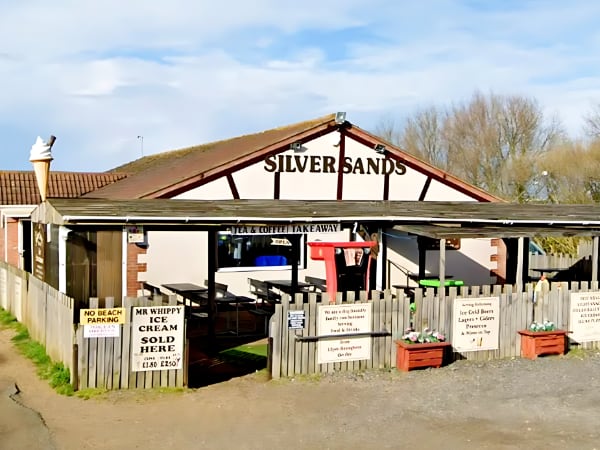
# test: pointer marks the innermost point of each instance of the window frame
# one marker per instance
(302, 257)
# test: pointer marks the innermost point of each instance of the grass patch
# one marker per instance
(578, 352)
(6, 319)
(246, 354)
(256, 349)
(56, 373)
(88, 393)
(120, 394)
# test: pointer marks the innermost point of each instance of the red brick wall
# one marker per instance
(500, 258)
(133, 268)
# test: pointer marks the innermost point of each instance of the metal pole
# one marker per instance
(141, 138)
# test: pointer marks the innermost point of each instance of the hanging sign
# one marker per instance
(281, 241)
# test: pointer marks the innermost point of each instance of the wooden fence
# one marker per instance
(105, 362)
(294, 351)
(46, 313)
(49, 318)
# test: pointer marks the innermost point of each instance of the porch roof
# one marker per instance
(434, 219)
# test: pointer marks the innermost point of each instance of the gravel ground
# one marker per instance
(549, 403)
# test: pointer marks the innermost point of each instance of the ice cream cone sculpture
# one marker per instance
(41, 156)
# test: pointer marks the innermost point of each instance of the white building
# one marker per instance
(324, 159)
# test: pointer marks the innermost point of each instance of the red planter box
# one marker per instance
(412, 356)
(535, 343)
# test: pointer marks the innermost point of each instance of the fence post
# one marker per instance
(75, 366)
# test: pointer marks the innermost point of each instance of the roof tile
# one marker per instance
(20, 187)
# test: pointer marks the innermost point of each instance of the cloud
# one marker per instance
(181, 73)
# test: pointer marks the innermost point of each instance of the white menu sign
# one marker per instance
(584, 317)
(344, 321)
(157, 338)
(476, 324)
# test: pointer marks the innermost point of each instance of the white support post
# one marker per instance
(442, 269)
(63, 234)
(595, 260)
(520, 256)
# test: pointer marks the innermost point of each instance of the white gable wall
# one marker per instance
(217, 190)
(442, 193)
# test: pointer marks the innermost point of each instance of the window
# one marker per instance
(256, 252)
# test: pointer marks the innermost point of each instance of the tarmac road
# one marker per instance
(20, 426)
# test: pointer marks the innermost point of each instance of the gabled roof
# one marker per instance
(413, 162)
(167, 174)
(20, 187)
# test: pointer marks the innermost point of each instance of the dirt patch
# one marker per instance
(549, 403)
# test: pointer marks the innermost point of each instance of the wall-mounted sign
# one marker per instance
(101, 322)
(476, 324)
(296, 320)
(157, 338)
(329, 164)
(290, 228)
(39, 250)
(102, 316)
(584, 317)
(344, 320)
(135, 235)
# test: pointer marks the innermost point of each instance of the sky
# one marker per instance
(115, 80)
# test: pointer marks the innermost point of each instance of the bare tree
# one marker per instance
(491, 141)
(474, 140)
(572, 173)
(422, 136)
(592, 122)
(388, 130)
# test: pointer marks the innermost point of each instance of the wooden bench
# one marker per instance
(265, 301)
(152, 291)
(318, 283)
(263, 294)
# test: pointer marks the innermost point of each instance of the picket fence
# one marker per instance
(49, 317)
(105, 362)
(46, 313)
(294, 351)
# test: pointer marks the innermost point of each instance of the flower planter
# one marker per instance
(535, 343)
(413, 356)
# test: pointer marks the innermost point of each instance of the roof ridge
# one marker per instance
(207, 145)
(61, 172)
